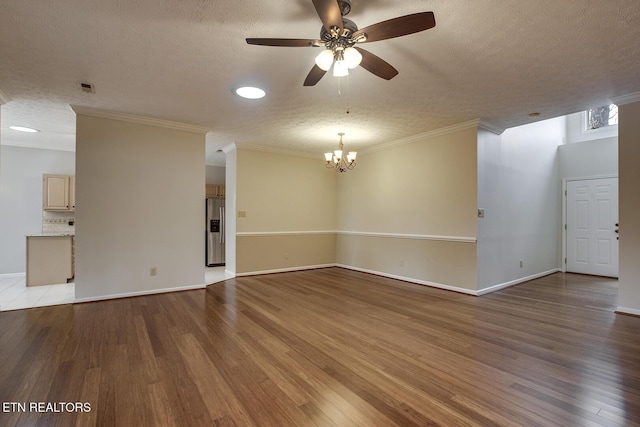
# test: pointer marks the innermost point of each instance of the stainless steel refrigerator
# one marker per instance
(215, 232)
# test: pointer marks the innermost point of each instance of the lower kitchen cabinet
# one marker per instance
(49, 259)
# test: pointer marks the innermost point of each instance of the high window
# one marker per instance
(600, 117)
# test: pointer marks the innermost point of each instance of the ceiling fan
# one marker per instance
(339, 36)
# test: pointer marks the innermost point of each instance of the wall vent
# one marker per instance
(87, 87)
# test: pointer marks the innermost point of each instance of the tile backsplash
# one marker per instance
(58, 222)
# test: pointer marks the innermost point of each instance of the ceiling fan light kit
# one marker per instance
(340, 68)
(324, 60)
(352, 57)
(339, 36)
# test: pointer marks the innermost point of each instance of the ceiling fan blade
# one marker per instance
(376, 65)
(397, 27)
(286, 42)
(329, 13)
(314, 76)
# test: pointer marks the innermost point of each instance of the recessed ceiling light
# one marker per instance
(250, 92)
(23, 129)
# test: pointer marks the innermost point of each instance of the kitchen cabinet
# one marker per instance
(213, 190)
(72, 192)
(58, 192)
(49, 259)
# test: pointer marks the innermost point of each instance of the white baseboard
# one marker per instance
(3, 275)
(284, 270)
(500, 286)
(410, 280)
(140, 293)
(626, 310)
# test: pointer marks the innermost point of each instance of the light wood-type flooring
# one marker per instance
(329, 347)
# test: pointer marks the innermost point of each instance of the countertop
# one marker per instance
(51, 235)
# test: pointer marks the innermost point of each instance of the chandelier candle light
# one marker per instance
(337, 160)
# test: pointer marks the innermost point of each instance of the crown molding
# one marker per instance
(4, 99)
(132, 118)
(626, 99)
(228, 148)
(425, 135)
(483, 124)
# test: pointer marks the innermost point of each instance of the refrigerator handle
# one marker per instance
(221, 224)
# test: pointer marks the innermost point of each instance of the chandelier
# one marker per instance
(337, 160)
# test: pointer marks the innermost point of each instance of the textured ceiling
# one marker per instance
(494, 60)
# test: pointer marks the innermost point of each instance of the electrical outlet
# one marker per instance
(153, 271)
(242, 214)
(286, 255)
(521, 264)
(401, 263)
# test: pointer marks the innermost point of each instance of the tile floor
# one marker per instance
(15, 295)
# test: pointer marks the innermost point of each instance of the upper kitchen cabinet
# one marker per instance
(58, 192)
(212, 190)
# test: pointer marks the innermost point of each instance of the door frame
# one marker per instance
(563, 260)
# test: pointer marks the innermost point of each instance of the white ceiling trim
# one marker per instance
(132, 118)
(626, 99)
(416, 138)
(228, 148)
(425, 135)
(482, 124)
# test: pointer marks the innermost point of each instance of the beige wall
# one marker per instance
(629, 176)
(140, 204)
(445, 264)
(271, 253)
(425, 187)
(230, 209)
(422, 196)
(290, 212)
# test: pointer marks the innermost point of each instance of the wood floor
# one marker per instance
(330, 347)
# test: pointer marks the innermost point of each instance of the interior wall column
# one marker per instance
(629, 175)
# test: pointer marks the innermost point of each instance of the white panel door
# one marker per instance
(592, 226)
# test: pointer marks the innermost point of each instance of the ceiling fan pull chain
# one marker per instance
(348, 97)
